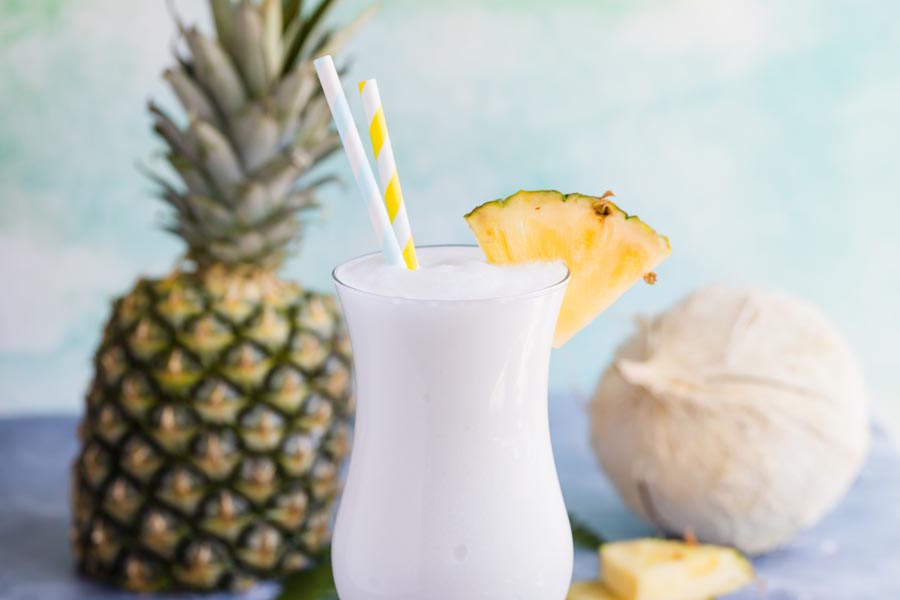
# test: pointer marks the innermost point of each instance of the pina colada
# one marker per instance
(452, 491)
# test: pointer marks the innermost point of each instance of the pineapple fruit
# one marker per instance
(218, 418)
(606, 250)
(655, 569)
(589, 590)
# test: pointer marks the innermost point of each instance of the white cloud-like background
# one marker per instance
(759, 135)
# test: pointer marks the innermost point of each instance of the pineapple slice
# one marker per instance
(654, 569)
(606, 250)
(589, 590)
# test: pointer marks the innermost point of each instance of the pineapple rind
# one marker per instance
(559, 196)
(181, 486)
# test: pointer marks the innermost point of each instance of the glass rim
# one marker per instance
(542, 291)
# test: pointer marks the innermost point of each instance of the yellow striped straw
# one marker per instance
(387, 171)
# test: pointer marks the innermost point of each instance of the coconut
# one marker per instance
(739, 413)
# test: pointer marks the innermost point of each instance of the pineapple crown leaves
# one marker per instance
(257, 123)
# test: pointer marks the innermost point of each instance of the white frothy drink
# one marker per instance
(449, 273)
(452, 491)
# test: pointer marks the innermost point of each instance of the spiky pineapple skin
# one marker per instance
(214, 432)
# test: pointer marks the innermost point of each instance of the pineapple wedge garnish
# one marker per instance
(655, 569)
(589, 590)
(607, 251)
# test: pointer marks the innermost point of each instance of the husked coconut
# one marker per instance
(739, 413)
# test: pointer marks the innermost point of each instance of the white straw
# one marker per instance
(362, 172)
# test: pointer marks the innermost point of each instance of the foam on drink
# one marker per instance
(449, 273)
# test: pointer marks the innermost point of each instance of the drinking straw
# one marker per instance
(362, 172)
(387, 170)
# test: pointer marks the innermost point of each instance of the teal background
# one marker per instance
(762, 137)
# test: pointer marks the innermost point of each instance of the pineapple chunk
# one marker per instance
(589, 590)
(606, 250)
(654, 569)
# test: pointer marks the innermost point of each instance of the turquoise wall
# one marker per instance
(762, 137)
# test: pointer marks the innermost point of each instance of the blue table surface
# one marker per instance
(854, 554)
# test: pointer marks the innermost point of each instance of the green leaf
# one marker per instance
(217, 157)
(291, 9)
(223, 16)
(309, 25)
(316, 583)
(271, 39)
(168, 131)
(256, 133)
(294, 91)
(193, 98)
(333, 41)
(248, 48)
(583, 536)
(216, 71)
